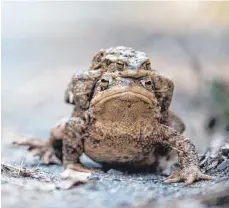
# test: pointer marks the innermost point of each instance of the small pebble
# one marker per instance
(114, 172)
(225, 151)
(116, 180)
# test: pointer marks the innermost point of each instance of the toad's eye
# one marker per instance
(107, 62)
(148, 84)
(104, 84)
(120, 65)
(146, 65)
(98, 57)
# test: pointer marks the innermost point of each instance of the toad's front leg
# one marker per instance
(74, 133)
(187, 156)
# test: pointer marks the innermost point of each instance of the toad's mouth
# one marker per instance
(124, 94)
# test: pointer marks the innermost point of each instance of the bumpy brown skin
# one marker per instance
(124, 129)
(126, 62)
(120, 119)
(123, 62)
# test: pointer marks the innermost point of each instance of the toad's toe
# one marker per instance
(188, 175)
(42, 149)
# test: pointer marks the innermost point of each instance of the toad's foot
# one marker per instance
(40, 148)
(188, 175)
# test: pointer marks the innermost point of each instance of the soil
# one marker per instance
(42, 186)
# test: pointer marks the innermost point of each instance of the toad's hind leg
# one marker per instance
(74, 134)
(50, 150)
(166, 157)
(160, 159)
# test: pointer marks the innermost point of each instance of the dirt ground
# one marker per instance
(45, 188)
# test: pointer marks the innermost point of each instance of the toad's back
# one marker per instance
(123, 57)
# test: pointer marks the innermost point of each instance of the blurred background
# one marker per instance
(44, 43)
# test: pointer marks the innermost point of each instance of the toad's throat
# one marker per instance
(128, 94)
(124, 108)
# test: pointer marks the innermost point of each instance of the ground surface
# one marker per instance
(111, 189)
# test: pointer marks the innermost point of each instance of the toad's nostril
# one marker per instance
(129, 105)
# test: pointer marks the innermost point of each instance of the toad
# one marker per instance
(121, 118)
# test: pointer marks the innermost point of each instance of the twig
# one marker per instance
(17, 171)
(22, 161)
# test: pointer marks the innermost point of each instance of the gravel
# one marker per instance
(111, 189)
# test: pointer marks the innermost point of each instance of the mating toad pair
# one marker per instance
(121, 118)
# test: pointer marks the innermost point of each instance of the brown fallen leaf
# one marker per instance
(73, 178)
(68, 184)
